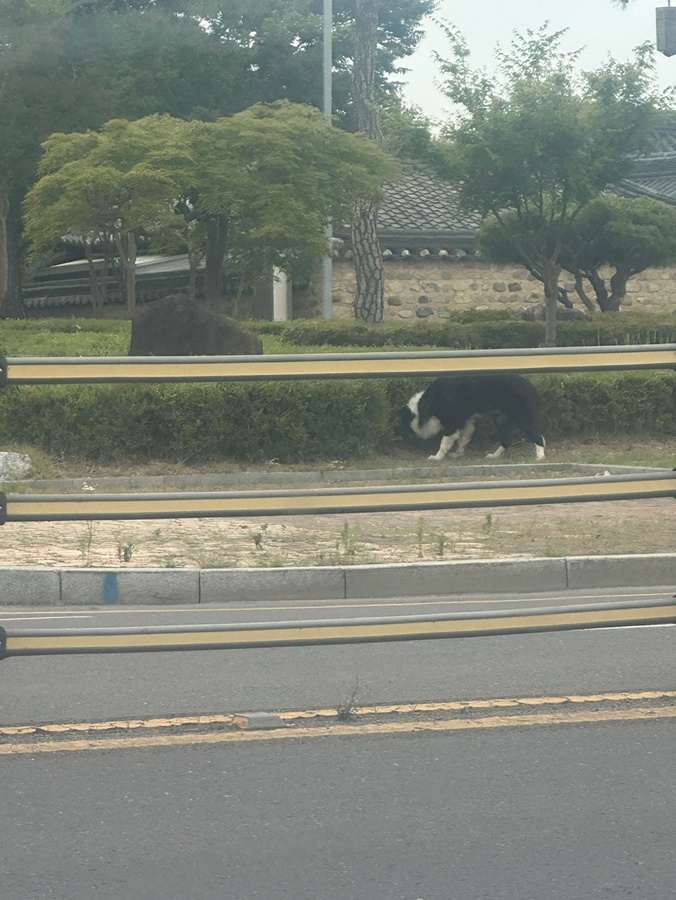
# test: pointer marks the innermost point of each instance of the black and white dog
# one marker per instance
(450, 406)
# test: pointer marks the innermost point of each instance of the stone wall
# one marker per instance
(432, 288)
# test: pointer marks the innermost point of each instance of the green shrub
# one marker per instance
(474, 329)
(289, 421)
(295, 421)
(608, 402)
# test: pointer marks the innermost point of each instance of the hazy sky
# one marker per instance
(597, 25)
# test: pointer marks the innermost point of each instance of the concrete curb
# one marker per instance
(42, 586)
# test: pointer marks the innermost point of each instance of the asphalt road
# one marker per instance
(89, 688)
(559, 813)
(538, 811)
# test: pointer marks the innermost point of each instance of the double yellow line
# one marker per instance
(632, 711)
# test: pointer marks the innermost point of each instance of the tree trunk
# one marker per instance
(217, 235)
(130, 278)
(580, 291)
(11, 300)
(599, 287)
(550, 276)
(364, 69)
(98, 280)
(368, 258)
(126, 246)
(195, 259)
(368, 262)
(618, 290)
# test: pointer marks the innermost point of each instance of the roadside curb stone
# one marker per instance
(43, 586)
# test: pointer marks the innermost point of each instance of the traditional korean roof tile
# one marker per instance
(653, 176)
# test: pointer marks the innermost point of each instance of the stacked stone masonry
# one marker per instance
(431, 288)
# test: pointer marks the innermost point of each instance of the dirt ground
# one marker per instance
(574, 529)
(647, 526)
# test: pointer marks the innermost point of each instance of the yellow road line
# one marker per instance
(390, 728)
(399, 708)
(483, 704)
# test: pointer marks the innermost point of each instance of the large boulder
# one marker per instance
(15, 466)
(178, 326)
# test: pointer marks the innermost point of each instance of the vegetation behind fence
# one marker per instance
(294, 421)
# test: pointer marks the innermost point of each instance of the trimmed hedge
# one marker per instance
(288, 421)
(474, 329)
(608, 402)
(295, 421)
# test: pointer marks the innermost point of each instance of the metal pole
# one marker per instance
(327, 261)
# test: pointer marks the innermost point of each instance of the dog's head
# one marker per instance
(410, 420)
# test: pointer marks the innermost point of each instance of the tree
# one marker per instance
(105, 189)
(628, 235)
(368, 256)
(283, 39)
(69, 65)
(370, 36)
(544, 142)
(263, 183)
(369, 300)
(248, 192)
(625, 235)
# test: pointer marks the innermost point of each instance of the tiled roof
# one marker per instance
(420, 216)
(421, 201)
(653, 176)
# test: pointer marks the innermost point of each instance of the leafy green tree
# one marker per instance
(370, 37)
(542, 142)
(248, 192)
(627, 235)
(263, 183)
(105, 189)
(283, 39)
(71, 65)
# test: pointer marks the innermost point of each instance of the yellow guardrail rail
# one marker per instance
(82, 507)
(39, 642)
(110, 370)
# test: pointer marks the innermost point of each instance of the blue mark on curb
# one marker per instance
(110, 588)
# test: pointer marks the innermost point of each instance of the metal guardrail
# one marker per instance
(40, 642)
(101, 370)
(110, 370)
(88, 507)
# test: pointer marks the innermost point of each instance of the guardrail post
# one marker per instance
(3, 371)
(3, 508)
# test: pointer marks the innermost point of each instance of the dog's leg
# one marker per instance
(466, 433)
(447, 442)
(497, 453)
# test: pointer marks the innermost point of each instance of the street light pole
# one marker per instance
(327, 261)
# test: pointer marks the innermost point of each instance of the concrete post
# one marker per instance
(281, 296)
